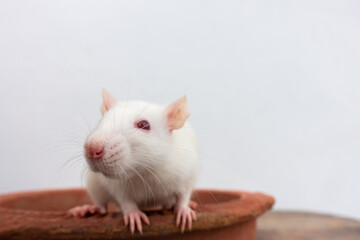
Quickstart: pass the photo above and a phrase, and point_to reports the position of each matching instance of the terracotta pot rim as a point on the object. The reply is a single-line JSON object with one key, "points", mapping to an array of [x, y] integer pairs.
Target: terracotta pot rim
{"points": [[235, 207], [20, 194]]}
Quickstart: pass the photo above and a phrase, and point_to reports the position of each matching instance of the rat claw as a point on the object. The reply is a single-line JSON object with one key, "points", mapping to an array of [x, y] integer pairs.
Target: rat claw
{"points": [[190, 218], [185, 216], [138, 224], [145, 218], [83, 211], [183, 224], [92, 210], [101, 210], [132, 225], [126, 220], [178, 218], [134, 219], [192, 205], [73, 211], [193, 215]]}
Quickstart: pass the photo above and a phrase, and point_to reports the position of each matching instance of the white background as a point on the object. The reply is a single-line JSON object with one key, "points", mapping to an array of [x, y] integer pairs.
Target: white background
{"points": [[273, 89]]}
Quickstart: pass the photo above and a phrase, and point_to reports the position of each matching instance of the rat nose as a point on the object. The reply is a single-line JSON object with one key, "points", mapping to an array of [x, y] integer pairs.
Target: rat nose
{"points": [[94, 150]]}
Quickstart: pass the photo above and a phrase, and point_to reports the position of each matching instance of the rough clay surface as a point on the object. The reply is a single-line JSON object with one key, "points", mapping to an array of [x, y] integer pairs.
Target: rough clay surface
{"points": [[42, 215]]}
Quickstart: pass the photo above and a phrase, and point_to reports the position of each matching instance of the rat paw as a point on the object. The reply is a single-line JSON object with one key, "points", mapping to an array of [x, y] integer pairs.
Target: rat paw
{"points": [[193, 205], [185, 215], [83, 211], [133, 218]]}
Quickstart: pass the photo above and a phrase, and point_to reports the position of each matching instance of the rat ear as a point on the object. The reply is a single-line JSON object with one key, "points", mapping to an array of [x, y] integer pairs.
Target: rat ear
{"points": [[177, 113], [108, 101]]}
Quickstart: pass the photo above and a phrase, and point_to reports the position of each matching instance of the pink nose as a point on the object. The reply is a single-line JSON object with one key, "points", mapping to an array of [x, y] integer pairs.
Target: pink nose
{"points": [[94, 150]]}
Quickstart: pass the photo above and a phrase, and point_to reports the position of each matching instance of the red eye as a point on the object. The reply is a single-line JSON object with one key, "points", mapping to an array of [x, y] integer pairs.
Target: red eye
{"points": [[143, 124]]}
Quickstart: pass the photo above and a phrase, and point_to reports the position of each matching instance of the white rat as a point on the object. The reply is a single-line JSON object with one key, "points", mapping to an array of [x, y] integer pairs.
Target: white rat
{"points": [[141, 155]]}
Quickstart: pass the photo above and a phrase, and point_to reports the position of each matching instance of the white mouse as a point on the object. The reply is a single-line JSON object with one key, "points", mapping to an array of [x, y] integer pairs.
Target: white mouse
{"points": [[141, 155]]}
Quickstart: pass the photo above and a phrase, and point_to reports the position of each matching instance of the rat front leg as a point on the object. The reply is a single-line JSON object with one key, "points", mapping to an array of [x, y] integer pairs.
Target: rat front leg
{"points": [[99, 196], [184, 212], [133, 216]]}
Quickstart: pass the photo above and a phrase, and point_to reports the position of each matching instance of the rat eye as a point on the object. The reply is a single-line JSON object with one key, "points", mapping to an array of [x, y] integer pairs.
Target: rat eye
{"points": [[143, 124]]}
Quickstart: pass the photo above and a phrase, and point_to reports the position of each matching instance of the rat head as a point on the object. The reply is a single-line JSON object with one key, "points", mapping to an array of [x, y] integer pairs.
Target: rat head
{"points": [[132, 136]]}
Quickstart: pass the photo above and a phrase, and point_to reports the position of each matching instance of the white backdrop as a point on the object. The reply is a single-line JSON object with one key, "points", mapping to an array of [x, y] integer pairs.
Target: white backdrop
{"points": [[273, 89]]}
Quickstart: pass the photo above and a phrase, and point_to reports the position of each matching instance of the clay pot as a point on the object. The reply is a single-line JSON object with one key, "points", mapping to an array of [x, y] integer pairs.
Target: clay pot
{"points": [[42, 215]]}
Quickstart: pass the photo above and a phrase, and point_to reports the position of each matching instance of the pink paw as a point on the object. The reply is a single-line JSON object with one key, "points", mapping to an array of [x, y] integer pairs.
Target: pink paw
{"points": [[133, 218], [185, 215], [82, 211]]}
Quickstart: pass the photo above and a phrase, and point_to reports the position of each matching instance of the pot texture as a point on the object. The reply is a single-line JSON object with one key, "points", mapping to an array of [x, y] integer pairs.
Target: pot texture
{"points": [[42, 215]]}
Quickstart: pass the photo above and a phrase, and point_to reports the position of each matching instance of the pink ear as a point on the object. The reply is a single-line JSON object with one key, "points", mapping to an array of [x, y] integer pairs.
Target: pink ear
{"points": [[177, 113], [108, 102]]}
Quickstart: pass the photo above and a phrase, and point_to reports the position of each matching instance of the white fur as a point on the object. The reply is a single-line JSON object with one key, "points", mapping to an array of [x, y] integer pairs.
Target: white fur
{"points": [[142, 168]]}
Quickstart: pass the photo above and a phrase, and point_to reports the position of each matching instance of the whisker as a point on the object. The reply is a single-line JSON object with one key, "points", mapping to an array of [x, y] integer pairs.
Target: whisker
{"points": [[84, 117], [65, 133], [129, 179], [76, 157], [84, 170], [160, 182], [144, 182], [197, 196]]}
